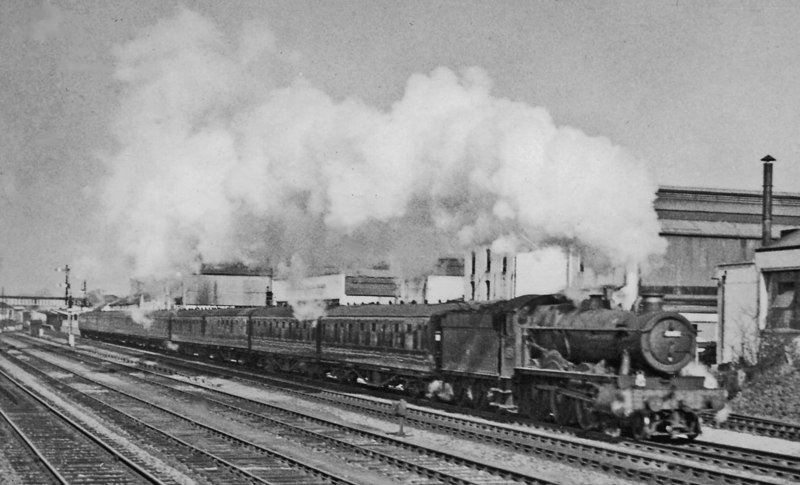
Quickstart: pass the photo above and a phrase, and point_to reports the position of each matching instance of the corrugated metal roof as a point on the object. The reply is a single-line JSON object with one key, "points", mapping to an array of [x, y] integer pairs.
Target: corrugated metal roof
{"points": [[715, 228]]}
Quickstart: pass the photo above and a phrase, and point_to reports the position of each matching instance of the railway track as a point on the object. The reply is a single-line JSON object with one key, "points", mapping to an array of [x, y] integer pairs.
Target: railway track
{"points": [[62, 451], [18, 461], [399, 460], [211, 455], [733, 457], [666, 464], [758, 426]]}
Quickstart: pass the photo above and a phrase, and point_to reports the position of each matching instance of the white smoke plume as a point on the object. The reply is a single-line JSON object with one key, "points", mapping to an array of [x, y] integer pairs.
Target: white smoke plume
{"points": [[141, 317], [625, 297], [216, 162], [302, 308]]}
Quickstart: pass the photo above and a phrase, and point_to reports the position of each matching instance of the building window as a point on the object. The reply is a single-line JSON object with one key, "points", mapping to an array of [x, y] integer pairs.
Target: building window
{"points": [[488, 290], [505, 264], [472, 293], [488, 260], [783, 288], [472, 268]]}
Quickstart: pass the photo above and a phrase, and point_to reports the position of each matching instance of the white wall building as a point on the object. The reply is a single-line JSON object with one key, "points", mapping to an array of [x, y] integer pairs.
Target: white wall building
{"points": [[379, 286], [226, 290], [758, 295], [433, 289], [337, 288], [490, 276]]}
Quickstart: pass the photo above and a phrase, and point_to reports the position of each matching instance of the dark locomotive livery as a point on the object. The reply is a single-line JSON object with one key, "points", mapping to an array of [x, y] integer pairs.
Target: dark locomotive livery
{"points": [[537, 355]]}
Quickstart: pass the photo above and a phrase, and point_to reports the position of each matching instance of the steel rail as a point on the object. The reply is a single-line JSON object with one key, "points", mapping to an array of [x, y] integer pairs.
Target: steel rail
{"points": [[473, 430], [392, 456], [562, 448], [772, 428], [330, 478], [76, 427], [51, 469]]}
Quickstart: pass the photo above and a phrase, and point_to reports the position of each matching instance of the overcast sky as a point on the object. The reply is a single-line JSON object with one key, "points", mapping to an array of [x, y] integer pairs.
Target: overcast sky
{"points": [[104, 103]]}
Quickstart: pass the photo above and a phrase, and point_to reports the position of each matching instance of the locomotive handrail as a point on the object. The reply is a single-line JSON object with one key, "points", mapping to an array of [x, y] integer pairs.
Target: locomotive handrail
{"points": [[563, 374]]}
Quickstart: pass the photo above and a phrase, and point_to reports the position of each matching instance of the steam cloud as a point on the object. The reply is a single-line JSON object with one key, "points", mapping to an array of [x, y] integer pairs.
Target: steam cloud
{"points": [[217, 162]]}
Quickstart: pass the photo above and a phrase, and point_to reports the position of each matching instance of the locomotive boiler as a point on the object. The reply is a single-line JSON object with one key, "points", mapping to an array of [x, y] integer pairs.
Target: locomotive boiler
{"points": [[654, 340]]}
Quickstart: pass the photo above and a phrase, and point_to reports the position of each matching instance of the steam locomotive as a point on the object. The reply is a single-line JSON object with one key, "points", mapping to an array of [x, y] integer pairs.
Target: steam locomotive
{"points": [[540, 356]]}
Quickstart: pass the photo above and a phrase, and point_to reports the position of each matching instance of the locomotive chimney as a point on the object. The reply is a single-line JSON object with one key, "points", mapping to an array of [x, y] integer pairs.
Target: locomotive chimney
{"points": [[652, 302], [766, 220]]}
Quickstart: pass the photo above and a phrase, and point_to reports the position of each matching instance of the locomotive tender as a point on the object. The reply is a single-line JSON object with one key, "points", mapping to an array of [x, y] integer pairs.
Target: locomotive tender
{"points": [[537, 355]]}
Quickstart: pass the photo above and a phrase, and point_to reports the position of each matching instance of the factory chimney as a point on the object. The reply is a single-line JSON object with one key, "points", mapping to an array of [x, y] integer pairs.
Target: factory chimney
{"points": [[766, 219]]}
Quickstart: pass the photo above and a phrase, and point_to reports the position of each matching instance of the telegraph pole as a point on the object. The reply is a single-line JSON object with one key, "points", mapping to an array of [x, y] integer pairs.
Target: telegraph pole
{"points": [[67, 286], [68, 300]]}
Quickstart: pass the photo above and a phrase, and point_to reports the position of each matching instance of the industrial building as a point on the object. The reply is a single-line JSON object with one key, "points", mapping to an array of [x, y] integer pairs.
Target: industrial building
{"points": [[705, 229], [444, 283], [227, 285]]}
